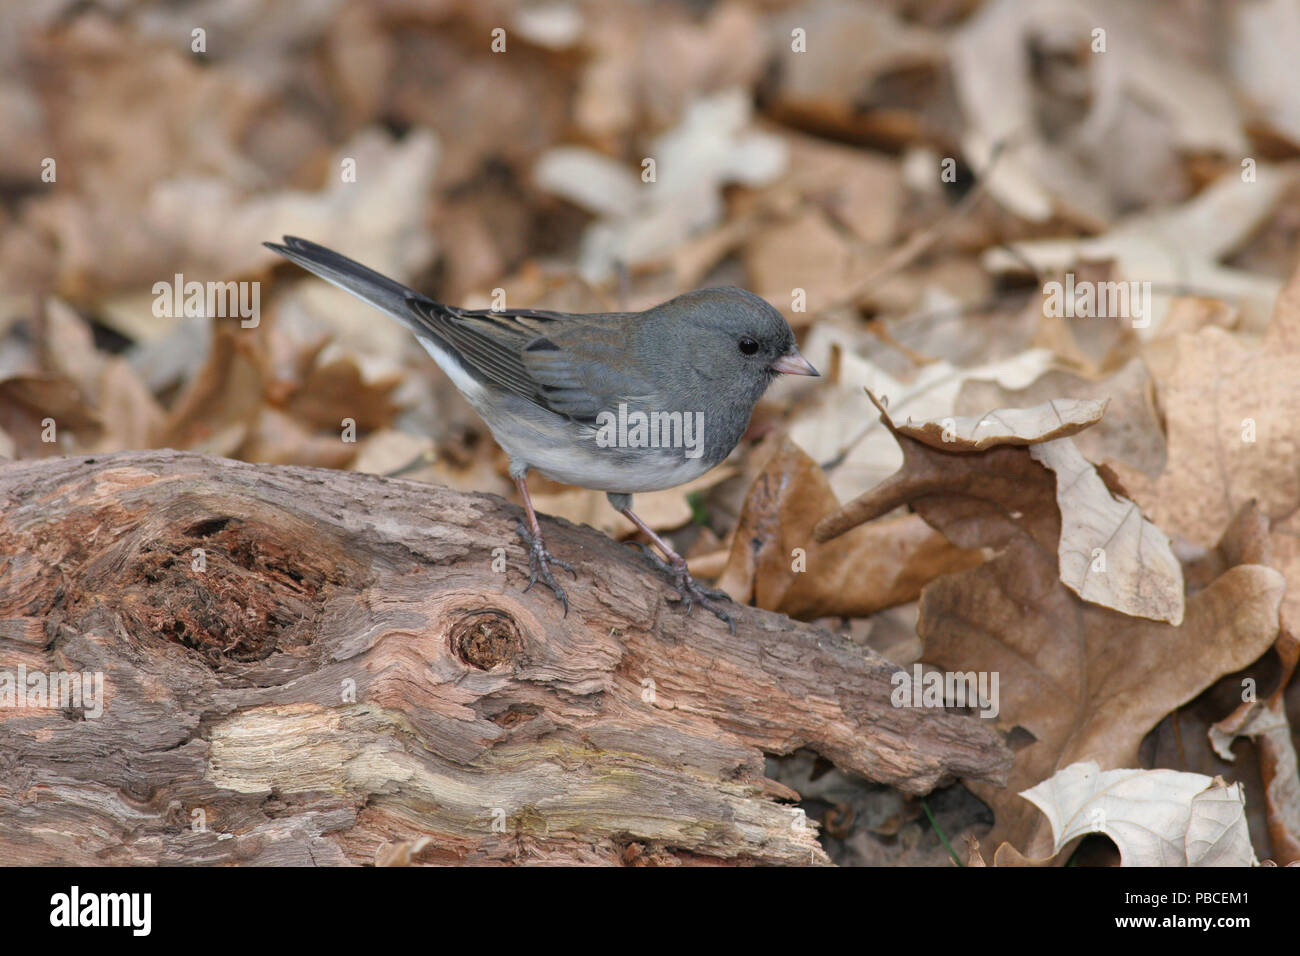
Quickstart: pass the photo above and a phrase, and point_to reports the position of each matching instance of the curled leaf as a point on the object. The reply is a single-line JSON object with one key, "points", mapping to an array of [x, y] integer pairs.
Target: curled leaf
{"points": [[1155, 817]]}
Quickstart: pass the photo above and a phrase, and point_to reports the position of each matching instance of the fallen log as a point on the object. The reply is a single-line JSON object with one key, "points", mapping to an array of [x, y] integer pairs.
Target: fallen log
{"points": [[304, 666]]}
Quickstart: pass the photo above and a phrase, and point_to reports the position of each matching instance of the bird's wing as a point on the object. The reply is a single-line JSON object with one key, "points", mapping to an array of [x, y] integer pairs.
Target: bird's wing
{"points": [[566, 364]]}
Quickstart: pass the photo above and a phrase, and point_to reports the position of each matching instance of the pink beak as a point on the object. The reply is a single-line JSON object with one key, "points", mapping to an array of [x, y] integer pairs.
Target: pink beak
{"points": [[792, 363]]}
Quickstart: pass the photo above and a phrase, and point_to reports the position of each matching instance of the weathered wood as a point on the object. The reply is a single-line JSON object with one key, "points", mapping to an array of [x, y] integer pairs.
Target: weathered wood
{"points": [[347, 679]]}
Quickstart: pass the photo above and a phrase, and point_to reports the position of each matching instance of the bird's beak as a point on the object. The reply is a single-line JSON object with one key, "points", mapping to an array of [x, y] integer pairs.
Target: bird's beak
{"points": [[792, 363]]}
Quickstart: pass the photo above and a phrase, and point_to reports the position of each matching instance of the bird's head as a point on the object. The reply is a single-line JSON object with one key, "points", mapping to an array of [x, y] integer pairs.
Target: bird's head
{"points": [[738, 336]]}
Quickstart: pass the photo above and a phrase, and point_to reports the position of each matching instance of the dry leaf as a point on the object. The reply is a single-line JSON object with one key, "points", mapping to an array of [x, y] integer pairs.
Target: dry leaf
{"points": [[1135, 90], [776, 561], [1131, 431], [1109, 554], [1266, 724], [1265, 721], [278, 439], [216, 412], [1262, 51], [807, 253], [839, 425], [1176, 250], [132, 416], [125, 406], [863, 192], [1085, 681], [30, 403], [1155, 817], [1232, 419], [1056, 418], [856, 45], [646, 63], [335, 390], [714, 145]]}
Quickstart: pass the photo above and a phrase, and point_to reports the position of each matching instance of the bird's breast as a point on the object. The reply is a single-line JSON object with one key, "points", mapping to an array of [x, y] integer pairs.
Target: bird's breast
{"points": [[626, 449]]}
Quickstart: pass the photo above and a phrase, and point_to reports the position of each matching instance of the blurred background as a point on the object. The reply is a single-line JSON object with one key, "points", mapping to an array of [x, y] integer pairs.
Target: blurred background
{"points": [[594, 155], [901, 178]]}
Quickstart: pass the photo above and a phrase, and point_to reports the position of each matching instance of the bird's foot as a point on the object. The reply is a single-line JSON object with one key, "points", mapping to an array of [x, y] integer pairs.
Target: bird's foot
{"points": [[691, 592], [539, 565]]}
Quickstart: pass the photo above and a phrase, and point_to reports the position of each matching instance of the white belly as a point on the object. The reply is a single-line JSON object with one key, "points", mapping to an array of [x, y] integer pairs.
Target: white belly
{"points": [[564, 450]]}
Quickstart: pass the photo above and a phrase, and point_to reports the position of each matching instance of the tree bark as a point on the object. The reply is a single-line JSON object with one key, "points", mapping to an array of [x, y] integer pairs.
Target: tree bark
{"points": [[312, 666]]}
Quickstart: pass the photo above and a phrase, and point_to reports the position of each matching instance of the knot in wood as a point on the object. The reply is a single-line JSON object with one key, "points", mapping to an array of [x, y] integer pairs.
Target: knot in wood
{"points": [[484, 639]]}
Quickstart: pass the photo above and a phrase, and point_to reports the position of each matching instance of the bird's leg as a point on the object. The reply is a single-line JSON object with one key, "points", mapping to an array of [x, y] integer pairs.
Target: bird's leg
{"points": [[539, 559], [684, 584]]}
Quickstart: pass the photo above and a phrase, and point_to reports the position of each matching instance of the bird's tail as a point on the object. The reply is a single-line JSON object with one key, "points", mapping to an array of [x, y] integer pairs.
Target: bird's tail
{"points": [[366, 284]]}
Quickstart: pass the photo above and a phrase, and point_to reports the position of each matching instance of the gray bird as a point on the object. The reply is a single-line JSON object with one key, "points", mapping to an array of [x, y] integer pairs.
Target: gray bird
{"points": [[620, 402]]}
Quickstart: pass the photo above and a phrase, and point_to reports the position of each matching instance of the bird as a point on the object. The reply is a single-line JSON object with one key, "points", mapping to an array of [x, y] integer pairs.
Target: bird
{"points": [[619, 402]]}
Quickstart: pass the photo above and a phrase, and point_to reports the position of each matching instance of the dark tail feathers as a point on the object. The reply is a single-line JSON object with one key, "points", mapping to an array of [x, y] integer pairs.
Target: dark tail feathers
{"points": [[366, 284]]}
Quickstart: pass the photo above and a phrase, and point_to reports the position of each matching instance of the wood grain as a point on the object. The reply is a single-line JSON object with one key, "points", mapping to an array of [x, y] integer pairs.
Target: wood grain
{"points": [[349, 680]]}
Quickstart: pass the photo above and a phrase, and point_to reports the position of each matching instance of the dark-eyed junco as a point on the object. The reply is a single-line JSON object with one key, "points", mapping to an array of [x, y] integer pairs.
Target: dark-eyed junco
{"points": [[620, 402]]}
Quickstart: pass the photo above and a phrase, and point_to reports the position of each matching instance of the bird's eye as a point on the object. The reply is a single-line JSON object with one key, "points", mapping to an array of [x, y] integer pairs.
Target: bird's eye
{"points": [[748, 346]]}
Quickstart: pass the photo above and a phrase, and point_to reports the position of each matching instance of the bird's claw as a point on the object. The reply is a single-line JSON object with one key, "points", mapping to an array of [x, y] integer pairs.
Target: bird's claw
{"points": [[690, 592], [539, 565]]}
